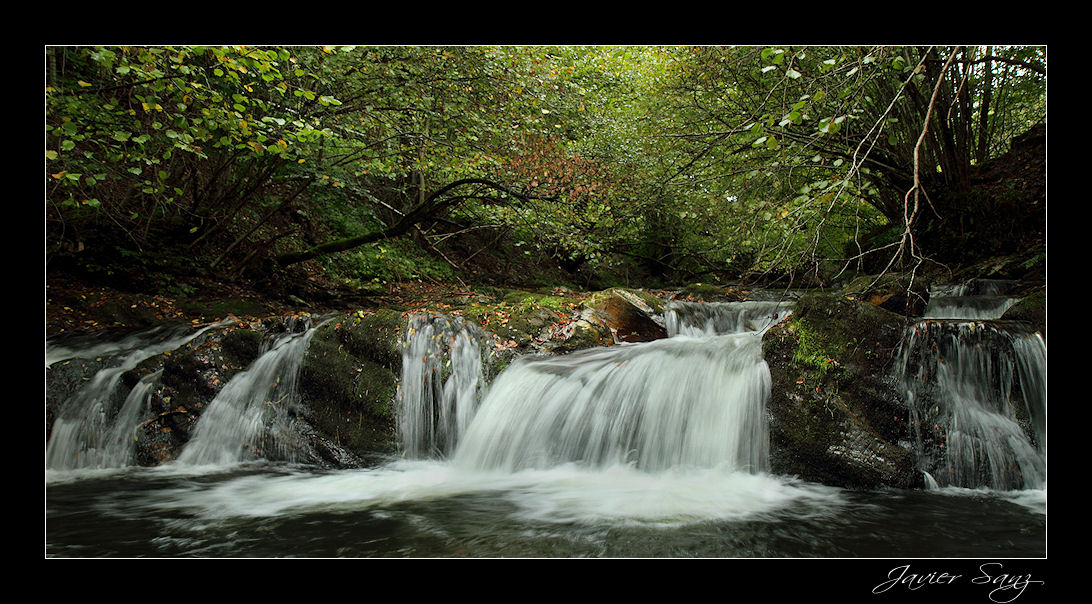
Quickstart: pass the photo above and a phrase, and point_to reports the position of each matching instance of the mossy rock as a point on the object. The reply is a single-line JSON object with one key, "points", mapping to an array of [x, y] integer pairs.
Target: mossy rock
{"points": [[708, 292], [1031, 310], [580, 334], [633, 315], [241, 347], [522, 317], [900, 293], [348, 399], [222, 307], [374, 336], [835, 416]]}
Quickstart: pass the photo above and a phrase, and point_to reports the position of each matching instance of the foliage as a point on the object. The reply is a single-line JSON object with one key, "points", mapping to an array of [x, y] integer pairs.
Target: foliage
{"points": [[821, 144], [673, 164]]}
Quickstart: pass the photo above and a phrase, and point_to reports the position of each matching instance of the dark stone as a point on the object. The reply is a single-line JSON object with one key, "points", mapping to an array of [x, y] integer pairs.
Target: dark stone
{"points": [[632, 316], [241, 347], [1030, 310], [348, 399], [901, 293], [835, 416]]}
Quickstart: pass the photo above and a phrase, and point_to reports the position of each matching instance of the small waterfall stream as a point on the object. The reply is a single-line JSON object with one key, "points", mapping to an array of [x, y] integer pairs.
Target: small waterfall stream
{"points": [[976, 391], [94, 428], [440, 386], [652, 449], [243, 421], [696, 399]]}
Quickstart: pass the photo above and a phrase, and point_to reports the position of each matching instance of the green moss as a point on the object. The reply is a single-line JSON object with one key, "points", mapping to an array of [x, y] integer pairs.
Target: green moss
{"points": [[702, 291], [349, 399], [222, 308], [813, 350], [1030, 309], [390, 260], [241, 346], [374, 336]]}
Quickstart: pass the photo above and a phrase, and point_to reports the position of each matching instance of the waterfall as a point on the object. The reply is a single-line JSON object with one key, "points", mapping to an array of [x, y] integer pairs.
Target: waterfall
{"points": [[441, 379], [707, 319], [974, 299], [243, 422], [976, 392], [968, 307], [696, 399], [683, 401], [94, 428]]}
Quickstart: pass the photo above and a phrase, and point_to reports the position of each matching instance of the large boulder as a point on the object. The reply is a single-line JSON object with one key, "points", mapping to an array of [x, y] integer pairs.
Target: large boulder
{"points": [[901, 293], [347, 387], [835, 416], [1030, 309], [631, 315]]}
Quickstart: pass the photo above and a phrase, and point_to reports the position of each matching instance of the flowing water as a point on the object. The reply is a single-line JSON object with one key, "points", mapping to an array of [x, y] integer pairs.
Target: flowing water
{"points": [[976, 390], [654, 449], [244, 419], [94, 428]]}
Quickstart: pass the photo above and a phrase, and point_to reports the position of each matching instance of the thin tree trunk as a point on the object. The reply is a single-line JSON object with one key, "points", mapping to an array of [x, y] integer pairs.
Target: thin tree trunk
{"points": [[982, 152], [288, 200]]}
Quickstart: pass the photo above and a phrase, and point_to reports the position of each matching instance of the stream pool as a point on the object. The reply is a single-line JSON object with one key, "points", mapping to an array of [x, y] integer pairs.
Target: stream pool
{"points": [[428, 509]]}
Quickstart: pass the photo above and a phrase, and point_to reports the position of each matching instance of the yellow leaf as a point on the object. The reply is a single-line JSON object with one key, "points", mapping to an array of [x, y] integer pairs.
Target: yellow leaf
{"points": [[60, 174], [82, 83]]}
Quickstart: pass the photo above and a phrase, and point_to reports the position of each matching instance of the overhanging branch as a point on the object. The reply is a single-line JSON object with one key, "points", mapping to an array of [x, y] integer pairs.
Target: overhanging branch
{"points": [[437, 201]]}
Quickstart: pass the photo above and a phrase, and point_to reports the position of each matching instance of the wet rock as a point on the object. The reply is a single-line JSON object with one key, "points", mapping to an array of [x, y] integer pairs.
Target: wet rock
{"points": [[585, 331], [835, 415], [345, 394], [631, 315], [1031, 310], [707, 292], [900, 293]]}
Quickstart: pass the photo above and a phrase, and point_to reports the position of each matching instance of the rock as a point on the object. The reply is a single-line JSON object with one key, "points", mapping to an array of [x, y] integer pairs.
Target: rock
{"points": [[631, 315], [899, 293], [707, 292], [1031, 310], [586, 331], [835, 416], [348, 397]]}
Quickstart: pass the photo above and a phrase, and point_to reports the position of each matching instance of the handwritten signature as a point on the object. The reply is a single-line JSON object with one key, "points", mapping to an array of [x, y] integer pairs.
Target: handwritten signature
{"points": [[1003, 587]]}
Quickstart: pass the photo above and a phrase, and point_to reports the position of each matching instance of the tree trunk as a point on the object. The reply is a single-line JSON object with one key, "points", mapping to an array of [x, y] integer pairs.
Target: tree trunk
{"points": [[424, 210]]}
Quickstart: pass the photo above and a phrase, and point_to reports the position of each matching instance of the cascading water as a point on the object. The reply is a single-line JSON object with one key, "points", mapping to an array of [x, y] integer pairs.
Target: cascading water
{"points": [[94, 428], [441, 379], [700, 319], [676, 402], [243, 421], [654, 449], [696, 399], [976, 391]]}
